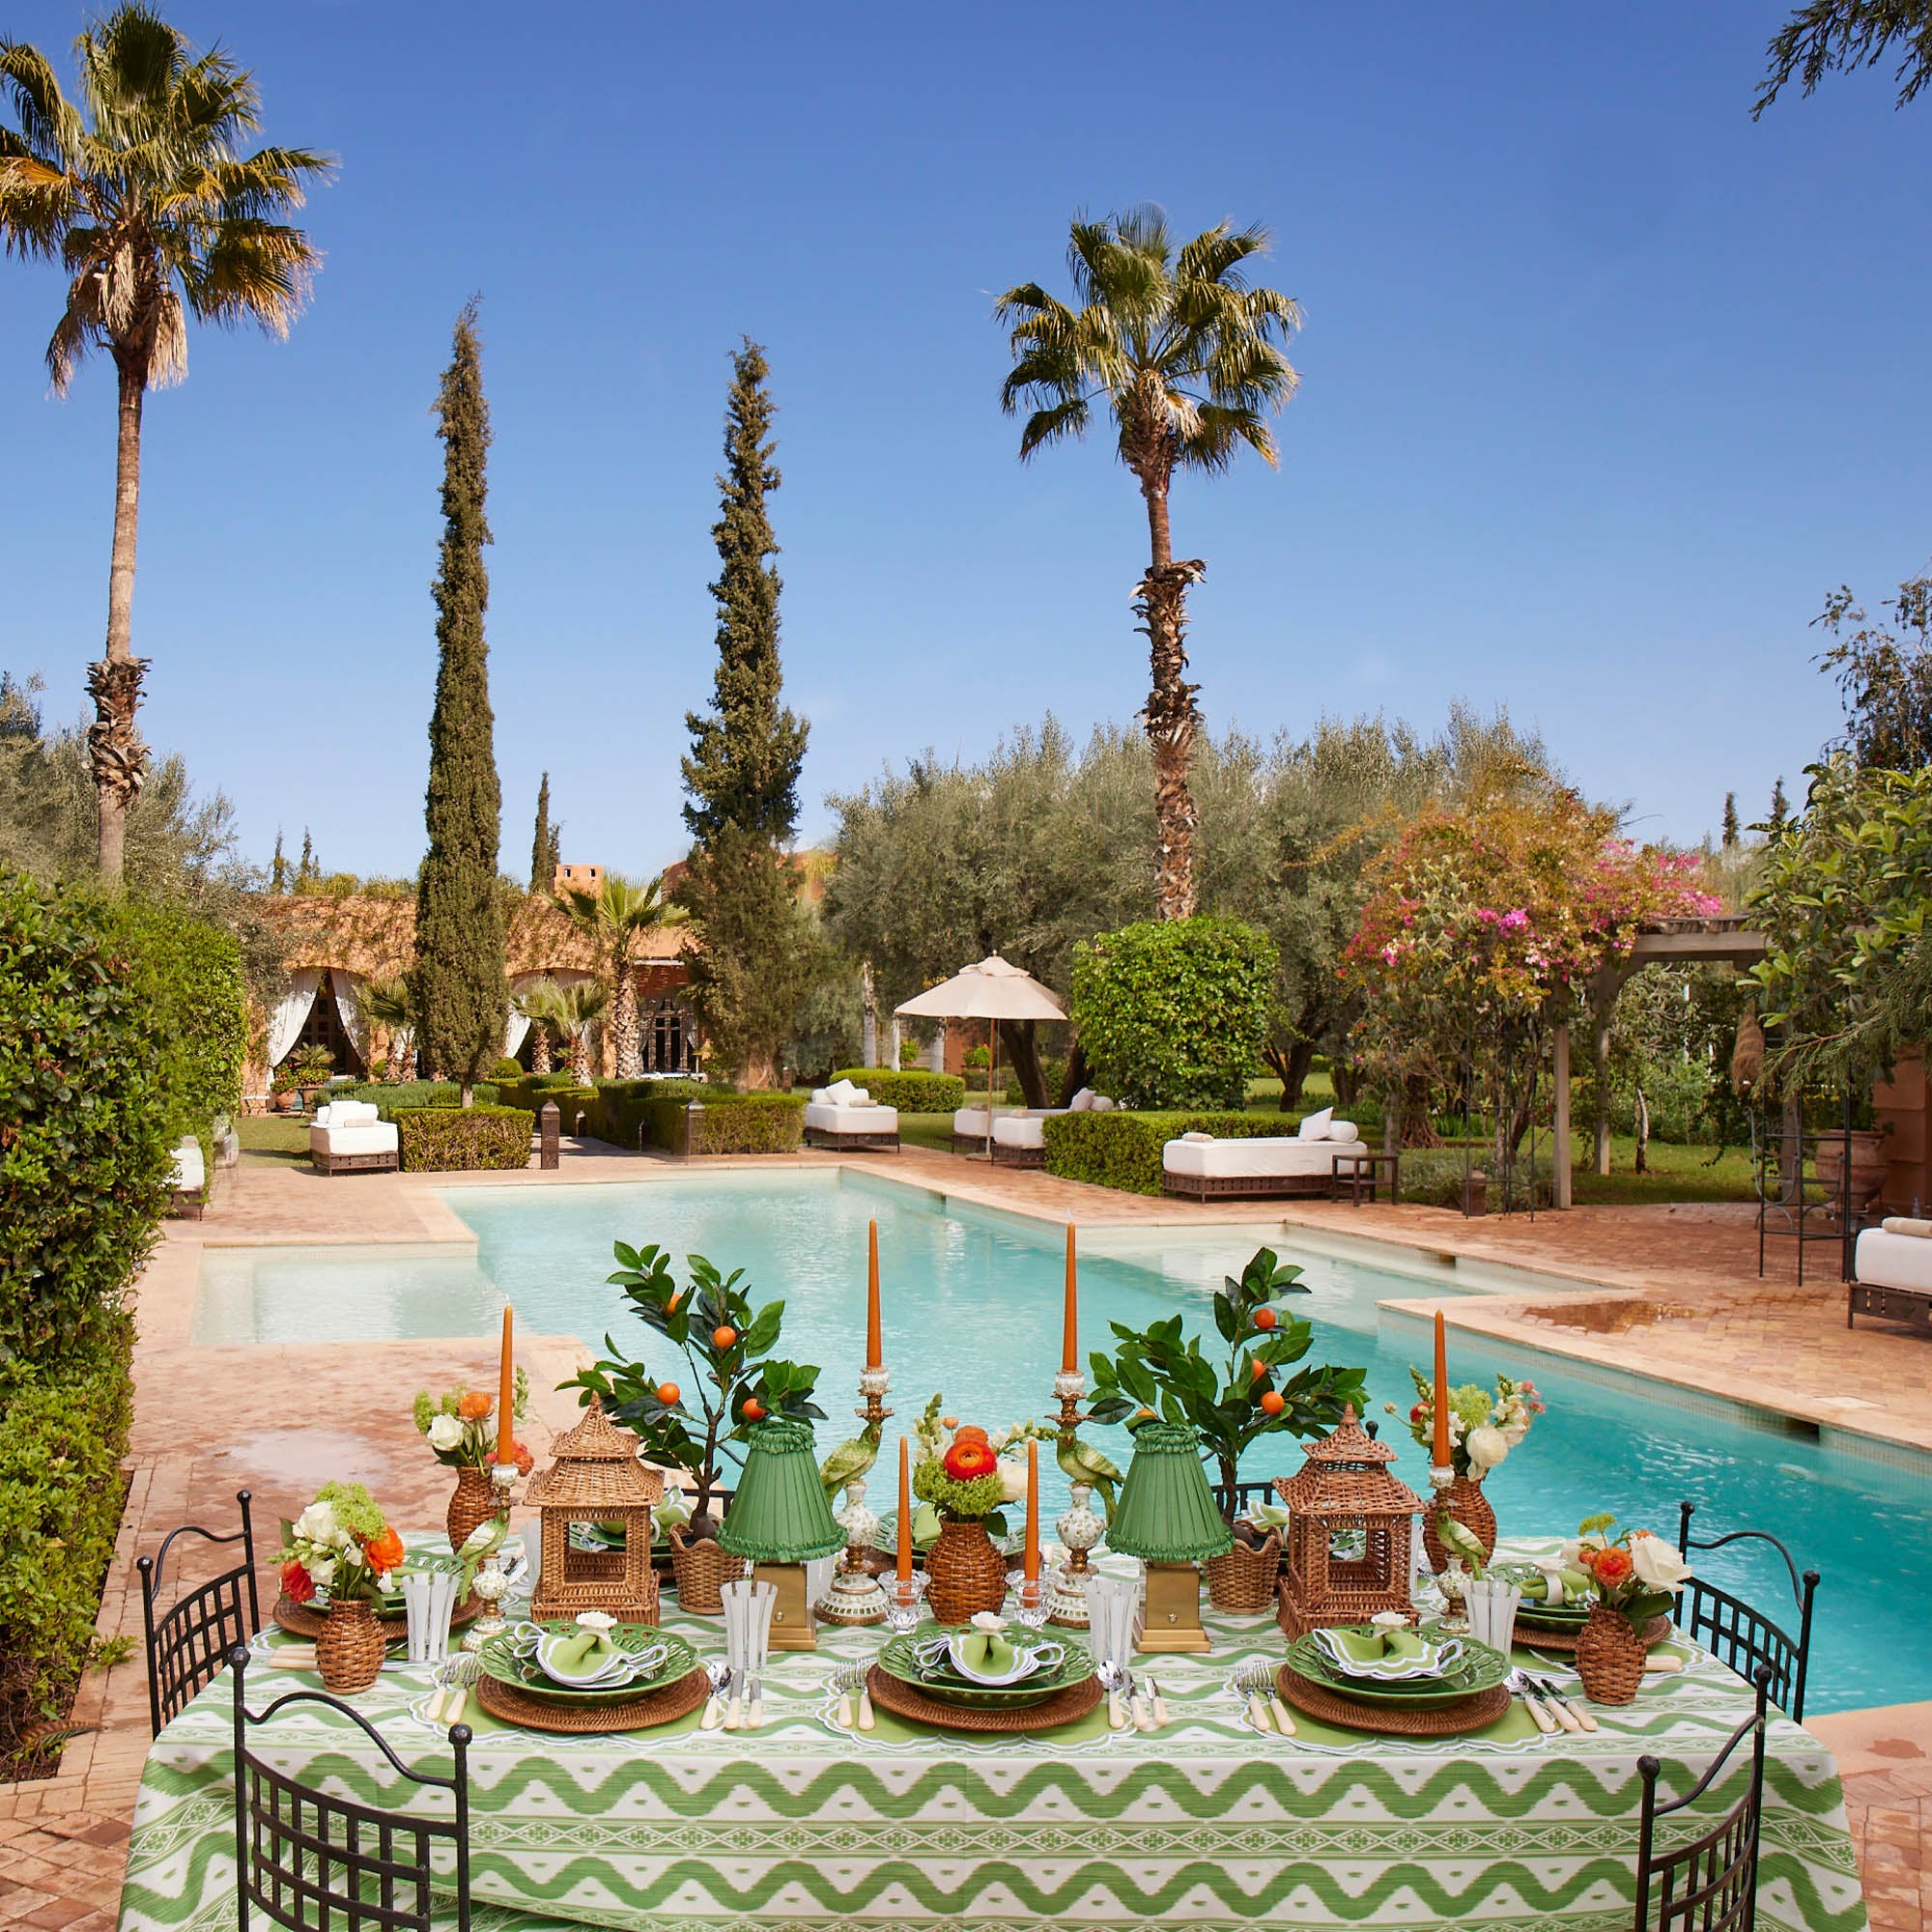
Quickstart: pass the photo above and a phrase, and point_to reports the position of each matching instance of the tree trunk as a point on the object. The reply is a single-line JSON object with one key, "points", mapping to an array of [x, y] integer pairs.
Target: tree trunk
{"points": [[580, 1057], [1346, 1080], [624, 1020], [868, 1017], [1290, 1066], [1642, 1163], [1172, 718], [1600, 1060], [1078, 1075], [539, 1048], [1021, 1040], [120, 759], [1418, 1130]]}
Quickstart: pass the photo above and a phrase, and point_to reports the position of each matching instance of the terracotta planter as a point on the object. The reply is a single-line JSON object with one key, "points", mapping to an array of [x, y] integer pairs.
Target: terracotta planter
{"points": [[1869, 1169], [1609, 1657], [1463, 1502], [474, 1503], [966, 1574], [348, 1652]]}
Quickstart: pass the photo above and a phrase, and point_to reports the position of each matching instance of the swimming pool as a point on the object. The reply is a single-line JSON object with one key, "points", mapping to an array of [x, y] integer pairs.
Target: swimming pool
{"points": [[972, 1305]]}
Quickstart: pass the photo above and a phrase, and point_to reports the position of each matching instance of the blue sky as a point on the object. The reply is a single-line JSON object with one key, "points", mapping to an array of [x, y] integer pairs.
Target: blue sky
{"points": [[1605, 387]]}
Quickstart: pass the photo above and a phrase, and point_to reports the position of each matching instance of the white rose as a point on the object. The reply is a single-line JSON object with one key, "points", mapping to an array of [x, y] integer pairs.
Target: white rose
{"points": [[352, 1554], [1012, 1480], [444, 1434], [1658, 1566], [320, 1571], [1513, 1434], [1487, 1447], [317, 1523]]}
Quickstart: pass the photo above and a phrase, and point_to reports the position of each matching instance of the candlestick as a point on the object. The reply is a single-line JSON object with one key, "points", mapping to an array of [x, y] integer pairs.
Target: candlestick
{"points": [[1441, 1449], [1033, 1512], [905, 1514], [874, 1347], [506, 1398], [1069, 1345]]}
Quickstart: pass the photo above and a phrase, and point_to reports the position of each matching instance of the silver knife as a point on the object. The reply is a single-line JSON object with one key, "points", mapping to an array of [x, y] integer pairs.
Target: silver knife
{"points": [[754, 1703], [1560, 1700]]}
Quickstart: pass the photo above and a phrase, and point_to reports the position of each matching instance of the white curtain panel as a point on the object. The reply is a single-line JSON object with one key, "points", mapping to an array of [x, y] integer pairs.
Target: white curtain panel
{"points": [[346, 985], [514, 1026], [286, 1021]]}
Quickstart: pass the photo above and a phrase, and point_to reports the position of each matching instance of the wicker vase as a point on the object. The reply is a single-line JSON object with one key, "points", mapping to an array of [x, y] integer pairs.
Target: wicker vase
{"points": [[1463, 1502], [1243, 1581], [966, 1575], [1609, 1655], [701, 1570], [474, 1503], [348, 1652]]}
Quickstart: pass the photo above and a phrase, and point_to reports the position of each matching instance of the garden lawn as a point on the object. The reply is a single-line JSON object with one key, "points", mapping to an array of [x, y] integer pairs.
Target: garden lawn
{"points": [[1676, 1173], [274, 1137]]}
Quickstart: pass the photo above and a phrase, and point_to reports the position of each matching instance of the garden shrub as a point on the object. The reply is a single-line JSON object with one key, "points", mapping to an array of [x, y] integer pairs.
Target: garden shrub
{"points": [[1173, 1013], [1432, 1177], [506, 1068], [443, 1138], [390, 1097], [620, 1110], [913, 1092], [1121, 1150], [729, 1123]]}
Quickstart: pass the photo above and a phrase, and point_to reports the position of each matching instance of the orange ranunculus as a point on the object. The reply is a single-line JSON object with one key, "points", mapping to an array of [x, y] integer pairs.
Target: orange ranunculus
{"points": [[970, 1432], [965, 1460], [386, 1551], [473, 1405], [1612, 1567], [297, 1585], [525, 1461]]}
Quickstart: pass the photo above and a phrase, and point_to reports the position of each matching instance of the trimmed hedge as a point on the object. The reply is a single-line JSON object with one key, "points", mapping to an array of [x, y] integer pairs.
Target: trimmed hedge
{"points": [[445, 1138], [912, 1093], [62, 1437], [1123, 1151], [729, 1122], [390, 1097]]}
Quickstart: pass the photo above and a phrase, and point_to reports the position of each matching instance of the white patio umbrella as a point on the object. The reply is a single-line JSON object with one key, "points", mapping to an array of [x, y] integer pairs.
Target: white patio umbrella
{"points": [[992, 991]]}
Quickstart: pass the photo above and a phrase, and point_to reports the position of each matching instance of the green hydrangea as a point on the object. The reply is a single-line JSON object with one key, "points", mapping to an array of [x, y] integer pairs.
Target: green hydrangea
{"points": [[354, 1509]]}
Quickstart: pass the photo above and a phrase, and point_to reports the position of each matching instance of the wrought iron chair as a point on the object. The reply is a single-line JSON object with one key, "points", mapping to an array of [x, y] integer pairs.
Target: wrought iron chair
{"points": [[302, 1855], [1709, 1884], [188, 1644], [1737, 1634], [1242, 1494]]}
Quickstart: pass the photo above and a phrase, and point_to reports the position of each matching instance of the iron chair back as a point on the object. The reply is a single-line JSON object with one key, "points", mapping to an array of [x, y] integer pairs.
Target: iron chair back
{"points": [[302, 1855], [1740, 1637], [1708, 1884], [188, 1643]]}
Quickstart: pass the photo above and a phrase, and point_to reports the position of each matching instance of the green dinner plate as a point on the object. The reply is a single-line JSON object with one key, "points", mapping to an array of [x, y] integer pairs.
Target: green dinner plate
{"points": [[500, 1661], [1552, 1616], [897, 1660], [1481, 1669]]}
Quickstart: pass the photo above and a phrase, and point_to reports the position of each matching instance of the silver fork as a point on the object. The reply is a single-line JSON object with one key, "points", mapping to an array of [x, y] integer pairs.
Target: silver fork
{"points": [[849, 1681], [1543, 1720], [714, 1708], [452, 1678], [1266, 1713], [1560, 1701]]}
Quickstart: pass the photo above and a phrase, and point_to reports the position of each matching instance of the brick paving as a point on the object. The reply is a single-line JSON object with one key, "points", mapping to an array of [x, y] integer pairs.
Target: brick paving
{"points": [[1670, 1293]]}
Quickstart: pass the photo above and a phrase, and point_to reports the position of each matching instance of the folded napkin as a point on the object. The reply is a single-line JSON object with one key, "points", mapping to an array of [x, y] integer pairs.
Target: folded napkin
{"points": [[984, 1651], [583, 1651], [1905, 1224]]}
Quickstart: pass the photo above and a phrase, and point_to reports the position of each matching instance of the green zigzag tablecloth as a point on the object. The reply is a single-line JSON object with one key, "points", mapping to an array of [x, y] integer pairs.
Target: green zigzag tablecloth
{"points": [[1205, 1823]]}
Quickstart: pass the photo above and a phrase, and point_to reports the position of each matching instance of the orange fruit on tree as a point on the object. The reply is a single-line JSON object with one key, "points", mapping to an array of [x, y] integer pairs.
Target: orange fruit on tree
{"points": [[1258, 1370], [1274, 1403], [753, 1409], [1143, 1415], [724, 1336], [1265, 1318], [670, 1306], [668, 1394]]}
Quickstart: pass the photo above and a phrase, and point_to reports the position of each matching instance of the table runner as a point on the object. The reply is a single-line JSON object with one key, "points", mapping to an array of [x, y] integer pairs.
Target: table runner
{"points": [[1204, 1824]]}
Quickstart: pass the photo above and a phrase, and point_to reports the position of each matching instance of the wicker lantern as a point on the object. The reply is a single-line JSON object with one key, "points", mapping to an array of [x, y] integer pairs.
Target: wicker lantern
{"points": [[779, 1519], [595, 1477], [1350, 1525], [1167, 1518]]}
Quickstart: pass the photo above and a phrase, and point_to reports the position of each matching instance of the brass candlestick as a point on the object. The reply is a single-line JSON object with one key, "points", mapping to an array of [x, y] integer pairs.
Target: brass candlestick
{"points": [[854, 1596], [1079, 1528]]}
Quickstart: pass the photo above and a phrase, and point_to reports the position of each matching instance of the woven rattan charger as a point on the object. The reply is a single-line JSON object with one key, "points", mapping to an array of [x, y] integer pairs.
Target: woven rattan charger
{"points": [[661, 1706], [903, 1700], [1446, 1719], [299, 1620], [1563, 1642]]}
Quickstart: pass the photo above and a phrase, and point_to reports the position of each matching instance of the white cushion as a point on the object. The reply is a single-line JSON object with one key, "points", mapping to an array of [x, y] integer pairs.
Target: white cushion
{"points": [[1278, 1154], [1102, 1105], [350, 1113], [1887, 1260], [1904, 1224], [829, 1118], [1081, 1101], [1197, 1136], [1020, 1130], [190, 1173], [1344, 1130], [973, 1120], [1315, 1126], [822, 1097], [839, 1093], [367, 1137]]}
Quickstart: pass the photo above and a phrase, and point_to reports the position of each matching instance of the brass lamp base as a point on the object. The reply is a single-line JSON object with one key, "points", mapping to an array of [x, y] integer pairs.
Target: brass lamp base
{"points": [[791, 1614], [1173, 1610]]}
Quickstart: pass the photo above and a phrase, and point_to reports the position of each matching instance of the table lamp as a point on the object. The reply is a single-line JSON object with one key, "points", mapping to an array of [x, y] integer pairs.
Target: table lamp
{"points": [[1167, 1518], [779, 1519]]}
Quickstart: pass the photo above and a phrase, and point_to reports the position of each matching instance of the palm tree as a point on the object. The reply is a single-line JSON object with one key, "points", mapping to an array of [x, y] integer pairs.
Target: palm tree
{"points": [[136, 191], [576, 1007], [537, 1002], [1189, 362], [386, 1004], [616, 916]]}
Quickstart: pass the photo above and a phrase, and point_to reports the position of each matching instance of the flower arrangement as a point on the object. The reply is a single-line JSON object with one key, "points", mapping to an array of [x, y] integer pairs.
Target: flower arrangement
{"points": [[1635, 1571], [341, 1543], [462, 1428], [1483, 1428], [965, 1476]]}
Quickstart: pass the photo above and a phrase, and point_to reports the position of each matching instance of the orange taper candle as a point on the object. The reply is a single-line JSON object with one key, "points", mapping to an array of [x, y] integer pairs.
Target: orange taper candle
{"points": [[905, 1511], [1069, 1341], [1441, 1449], [875, 1346], [1033, 1512], [506, 1399]]}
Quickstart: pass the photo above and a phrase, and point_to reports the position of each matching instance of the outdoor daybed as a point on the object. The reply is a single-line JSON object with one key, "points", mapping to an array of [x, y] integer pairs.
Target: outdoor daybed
{"points": [[1019, 1134], [1892, 1272], [845, 1116], [189, 1183], [348, 1137], [1205, 1168]]}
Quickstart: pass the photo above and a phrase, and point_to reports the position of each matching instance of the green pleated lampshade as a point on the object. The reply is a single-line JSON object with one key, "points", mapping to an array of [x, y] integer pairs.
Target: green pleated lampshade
{"points": [[1166, 1512], [780, 1513]]}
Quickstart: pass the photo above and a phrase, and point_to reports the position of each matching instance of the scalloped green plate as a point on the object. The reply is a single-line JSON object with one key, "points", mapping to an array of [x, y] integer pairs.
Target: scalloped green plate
{"points": [[499, 1660], [1481, 1669], [897, 1660]]}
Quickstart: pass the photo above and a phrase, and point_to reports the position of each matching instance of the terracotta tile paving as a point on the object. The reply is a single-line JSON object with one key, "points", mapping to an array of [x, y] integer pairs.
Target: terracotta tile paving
{"points": [[1670, 1293]]}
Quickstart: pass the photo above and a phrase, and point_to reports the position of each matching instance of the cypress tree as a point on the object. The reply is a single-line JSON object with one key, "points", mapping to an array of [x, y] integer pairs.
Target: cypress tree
{"points": [[308, 868], [458, 990], [278, 868], [1730, 820], [1781, 809], [547, 848]]}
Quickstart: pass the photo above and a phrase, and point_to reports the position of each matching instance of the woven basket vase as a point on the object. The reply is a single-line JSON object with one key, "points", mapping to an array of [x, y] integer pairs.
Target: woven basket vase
{"points": [[1463, 1502], [1609, 1657], [348, 1652], [966, 1575], [474, 1503], [1243, 1581], [702, 1570]]}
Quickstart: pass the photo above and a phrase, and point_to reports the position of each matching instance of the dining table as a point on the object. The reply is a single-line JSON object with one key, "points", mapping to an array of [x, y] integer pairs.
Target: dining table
{"points": [[1209, 1821]]}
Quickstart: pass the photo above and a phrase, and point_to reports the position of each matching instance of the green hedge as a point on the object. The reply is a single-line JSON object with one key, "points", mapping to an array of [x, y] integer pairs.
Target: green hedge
{"points": [[730, 1122], [444, 1138], [913, 1092], [1123, 1151], [191, 978], [62, 1437], [390, 1097]]}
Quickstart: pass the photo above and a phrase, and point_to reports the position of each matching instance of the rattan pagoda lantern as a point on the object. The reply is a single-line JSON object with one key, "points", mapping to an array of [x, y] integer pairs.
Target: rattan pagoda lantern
{"points": [[1349, 1528], [595, 1477]]}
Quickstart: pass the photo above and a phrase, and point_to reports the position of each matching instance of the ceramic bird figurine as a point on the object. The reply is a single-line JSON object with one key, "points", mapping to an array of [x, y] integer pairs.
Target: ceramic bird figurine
{"points": [[852, 1460], [1080, 1463]]}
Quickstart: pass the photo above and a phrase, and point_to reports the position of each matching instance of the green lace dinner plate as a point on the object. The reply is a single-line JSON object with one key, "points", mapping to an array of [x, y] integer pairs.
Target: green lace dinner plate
{"points": [[898, 1659], [499, 1660], [1546, 1616], [1481, 1669]]}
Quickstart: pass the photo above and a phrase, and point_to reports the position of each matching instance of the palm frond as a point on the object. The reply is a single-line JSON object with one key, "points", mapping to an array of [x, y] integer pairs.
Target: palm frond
{"points": [[253, 271], [49, 127], [1049, 425]]}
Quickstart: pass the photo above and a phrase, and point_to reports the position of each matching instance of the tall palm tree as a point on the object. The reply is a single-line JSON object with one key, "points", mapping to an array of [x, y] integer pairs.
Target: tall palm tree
{"points": [[573, 1010], [1189, 361], [136, 191], [384, 1004], [616, 916], [537, 1002]]}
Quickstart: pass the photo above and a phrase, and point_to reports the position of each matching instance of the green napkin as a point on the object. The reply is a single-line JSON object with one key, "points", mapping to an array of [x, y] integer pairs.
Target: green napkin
{"points": [[925, 1524], [582, 1651], [1404, 1644], [987, 1653]]}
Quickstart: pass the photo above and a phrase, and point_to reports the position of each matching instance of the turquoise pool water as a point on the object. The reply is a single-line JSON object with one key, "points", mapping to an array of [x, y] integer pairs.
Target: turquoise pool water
{"points": [[972, 1305]]}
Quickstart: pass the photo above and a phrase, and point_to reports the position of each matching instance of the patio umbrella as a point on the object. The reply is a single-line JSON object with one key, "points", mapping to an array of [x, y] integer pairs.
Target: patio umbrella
{"points": [[992, 991]]}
